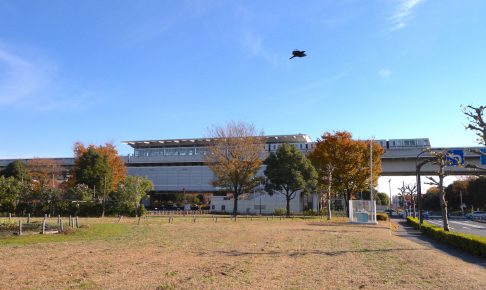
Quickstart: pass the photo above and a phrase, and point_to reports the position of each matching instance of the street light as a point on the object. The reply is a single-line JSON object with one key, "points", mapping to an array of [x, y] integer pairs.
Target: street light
{"points": [[389, 188]]}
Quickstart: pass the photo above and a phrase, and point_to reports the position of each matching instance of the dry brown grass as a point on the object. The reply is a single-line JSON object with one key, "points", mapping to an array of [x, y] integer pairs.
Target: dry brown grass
{"points": [[235, 255]]}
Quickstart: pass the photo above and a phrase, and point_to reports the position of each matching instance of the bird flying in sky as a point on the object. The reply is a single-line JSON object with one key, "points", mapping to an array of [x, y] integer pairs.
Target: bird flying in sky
{"points": [[298, 53]]}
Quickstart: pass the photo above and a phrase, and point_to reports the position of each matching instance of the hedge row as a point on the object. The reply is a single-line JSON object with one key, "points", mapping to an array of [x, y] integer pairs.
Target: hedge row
{"points": [[471, 243], [381, 216]]}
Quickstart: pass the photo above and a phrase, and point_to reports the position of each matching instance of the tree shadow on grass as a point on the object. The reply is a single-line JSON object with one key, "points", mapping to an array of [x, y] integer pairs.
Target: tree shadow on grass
{"points": [[348, 225], [325, 231], [235, 253]]}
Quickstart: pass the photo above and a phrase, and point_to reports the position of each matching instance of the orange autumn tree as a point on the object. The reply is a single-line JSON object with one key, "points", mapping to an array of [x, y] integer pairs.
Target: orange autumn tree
{"points": [[343, 163], [117, 164]]}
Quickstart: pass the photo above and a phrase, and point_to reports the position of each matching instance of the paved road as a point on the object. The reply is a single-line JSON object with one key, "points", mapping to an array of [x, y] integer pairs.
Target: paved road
{"points": [[462, 226]]}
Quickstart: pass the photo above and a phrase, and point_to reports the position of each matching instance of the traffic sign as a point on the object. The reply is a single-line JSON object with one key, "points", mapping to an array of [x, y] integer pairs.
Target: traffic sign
{"points": [[455, 157], [483, 156]]}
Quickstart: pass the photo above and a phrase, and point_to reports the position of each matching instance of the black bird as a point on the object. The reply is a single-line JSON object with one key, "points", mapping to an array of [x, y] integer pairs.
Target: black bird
{"points": [[298, 53]]}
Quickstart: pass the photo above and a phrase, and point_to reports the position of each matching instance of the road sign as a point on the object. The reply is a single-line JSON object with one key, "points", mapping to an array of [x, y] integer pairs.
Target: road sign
{"points": [[455, 157], [483, 157]]}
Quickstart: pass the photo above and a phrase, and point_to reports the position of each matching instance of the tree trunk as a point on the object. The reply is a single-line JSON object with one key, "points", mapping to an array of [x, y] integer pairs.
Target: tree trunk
{"points": [[443, 203], [288, 204], [235, 203], [103, 208], [235, 206]]}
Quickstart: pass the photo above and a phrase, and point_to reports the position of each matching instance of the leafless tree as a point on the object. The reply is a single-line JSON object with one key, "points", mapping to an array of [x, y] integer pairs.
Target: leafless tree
{"points": [[402, 192], [440, 159], [477, 123], [234, 156], [412, 191]]}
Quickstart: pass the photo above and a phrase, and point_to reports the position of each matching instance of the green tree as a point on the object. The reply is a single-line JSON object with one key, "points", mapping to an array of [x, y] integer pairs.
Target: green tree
{"points": [[477, 190], [10, 192], [18, 170], [287, 172], [131, 191], [80, 192], [431, 199], [94, 170], [381, 198]]}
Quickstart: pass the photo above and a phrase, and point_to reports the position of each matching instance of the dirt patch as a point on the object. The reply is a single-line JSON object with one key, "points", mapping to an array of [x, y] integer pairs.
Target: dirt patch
{"points": [[237, 255]]}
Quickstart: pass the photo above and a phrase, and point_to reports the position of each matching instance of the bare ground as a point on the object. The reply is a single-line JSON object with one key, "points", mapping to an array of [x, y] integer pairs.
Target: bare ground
{"points": [[246, 254]]}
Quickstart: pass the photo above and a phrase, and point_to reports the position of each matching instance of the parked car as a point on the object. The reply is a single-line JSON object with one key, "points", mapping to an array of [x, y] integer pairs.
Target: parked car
{"points": [[476, 215]]}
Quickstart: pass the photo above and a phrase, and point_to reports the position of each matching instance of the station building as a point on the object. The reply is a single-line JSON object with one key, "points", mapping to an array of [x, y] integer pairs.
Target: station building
{"points": [[176, 166]]}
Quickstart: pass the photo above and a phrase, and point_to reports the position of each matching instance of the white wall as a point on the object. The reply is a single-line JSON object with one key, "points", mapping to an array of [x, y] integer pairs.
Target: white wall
{"points": [[269, 204]]}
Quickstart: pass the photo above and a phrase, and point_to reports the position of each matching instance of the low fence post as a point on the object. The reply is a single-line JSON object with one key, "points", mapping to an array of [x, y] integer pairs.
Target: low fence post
{"points": [[70, 221], [77, 222], [139, 220], [61, 226], [28, 218], [9, 216], [58, 218], [44, 226], [20, 227]]}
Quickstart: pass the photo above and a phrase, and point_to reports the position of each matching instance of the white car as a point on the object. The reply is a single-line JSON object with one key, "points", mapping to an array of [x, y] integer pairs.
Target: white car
{"points": [[476, 215]]}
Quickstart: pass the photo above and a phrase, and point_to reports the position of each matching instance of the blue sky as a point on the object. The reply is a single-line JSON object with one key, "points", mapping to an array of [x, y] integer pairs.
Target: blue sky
{"points": [[101, 71]]}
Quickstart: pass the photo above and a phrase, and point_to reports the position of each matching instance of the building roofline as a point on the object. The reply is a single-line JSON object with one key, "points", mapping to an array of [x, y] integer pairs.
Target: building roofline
{"points": [[202, 141]]}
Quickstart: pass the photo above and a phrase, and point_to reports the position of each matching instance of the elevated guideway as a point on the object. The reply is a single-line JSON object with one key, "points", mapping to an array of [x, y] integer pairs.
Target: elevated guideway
{"points": [[402, 162], [395, 162]]}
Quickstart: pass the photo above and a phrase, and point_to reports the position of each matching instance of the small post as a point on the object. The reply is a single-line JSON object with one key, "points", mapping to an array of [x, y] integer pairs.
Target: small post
{"points": [[194, 218], [216, 220], [139, 220], [44, 226], [28, 218], [77, 222], [61, 226], [9, 216], [58, 218], [45, 216], [70, 221], [235, 218], [20, 227]]}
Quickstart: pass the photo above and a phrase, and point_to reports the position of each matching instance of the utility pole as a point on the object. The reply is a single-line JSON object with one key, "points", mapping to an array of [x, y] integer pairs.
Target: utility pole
{"points": [[329, 192], [371, 169], [389, 188]]}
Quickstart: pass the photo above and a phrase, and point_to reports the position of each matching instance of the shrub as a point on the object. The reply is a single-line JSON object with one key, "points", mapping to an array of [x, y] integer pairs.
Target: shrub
{"points": [[279, 211], [309, 212], [381, 216], [471, 243]]}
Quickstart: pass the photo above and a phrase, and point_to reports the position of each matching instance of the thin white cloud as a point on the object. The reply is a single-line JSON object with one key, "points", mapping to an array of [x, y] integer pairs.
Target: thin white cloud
{"points": [[34, 84], [403, 14], [384, 72], [254, 43], [21, 78]]}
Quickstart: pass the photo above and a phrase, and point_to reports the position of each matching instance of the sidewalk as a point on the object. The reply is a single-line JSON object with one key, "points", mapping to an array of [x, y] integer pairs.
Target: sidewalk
{"points": [[408, 232]]}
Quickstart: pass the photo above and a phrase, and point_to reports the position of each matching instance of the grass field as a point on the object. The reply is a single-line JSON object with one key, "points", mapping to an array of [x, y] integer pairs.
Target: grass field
{"points": [[246, 254]]}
